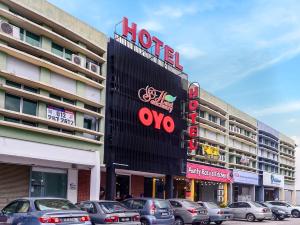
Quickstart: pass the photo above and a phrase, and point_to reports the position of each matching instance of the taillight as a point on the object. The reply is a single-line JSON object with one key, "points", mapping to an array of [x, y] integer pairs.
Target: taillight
{"points": [[265, 210], [193, 211], [111, 219], [136, 218], [152, 209], [49, 220], [84, 219], [221, 212]]}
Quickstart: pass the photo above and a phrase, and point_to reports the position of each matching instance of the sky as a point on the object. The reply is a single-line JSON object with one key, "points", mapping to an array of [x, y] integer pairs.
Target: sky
{"points": [[244, 52]]}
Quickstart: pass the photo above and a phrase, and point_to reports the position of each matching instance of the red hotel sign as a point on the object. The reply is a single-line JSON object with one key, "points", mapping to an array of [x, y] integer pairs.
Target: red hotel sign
{"points": [[201, 172], [193, 129], [146, 41]]}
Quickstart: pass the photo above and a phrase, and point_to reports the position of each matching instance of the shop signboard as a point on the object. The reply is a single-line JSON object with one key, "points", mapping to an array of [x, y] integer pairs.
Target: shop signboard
{"points": [[211, 152], [202, 172], [60, 115], [273, 180], [244, 177]]}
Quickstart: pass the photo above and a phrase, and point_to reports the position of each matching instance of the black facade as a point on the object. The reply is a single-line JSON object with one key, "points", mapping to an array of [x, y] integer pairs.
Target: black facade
{"points": [[128, 143]]}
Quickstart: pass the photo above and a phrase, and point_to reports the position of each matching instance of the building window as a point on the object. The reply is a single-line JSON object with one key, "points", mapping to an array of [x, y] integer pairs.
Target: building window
{"points": [[21, 86], [61, 51], [66, 100], [202, 114], [17, 104], [90, 123], [222, 123], [30, 38], [13, 120], [212, 118], [92, 108]]}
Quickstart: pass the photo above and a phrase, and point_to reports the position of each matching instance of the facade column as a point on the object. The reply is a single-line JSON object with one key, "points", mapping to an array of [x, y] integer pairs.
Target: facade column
{"points": [[294, 200], [169, 186], [253, 193], [95, 179], [225, 194], [281, 194], [72, 185], [229, 193], [153, 187], [110, 182]]}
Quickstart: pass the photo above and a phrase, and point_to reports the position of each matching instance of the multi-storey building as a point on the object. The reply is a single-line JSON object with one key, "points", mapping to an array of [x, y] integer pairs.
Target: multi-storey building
{"points": [[52, 80], [287, 166]]}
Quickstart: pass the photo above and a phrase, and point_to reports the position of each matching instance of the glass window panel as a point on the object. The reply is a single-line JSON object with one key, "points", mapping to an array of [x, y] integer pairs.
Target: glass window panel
{"points": [[29, 123], [29, 107], [33, 90], [32, 39], [87, 124], [57, 49], [68, 54], [69, 101], [13, 84], [13, 120], [12, 102], [55, 97]]}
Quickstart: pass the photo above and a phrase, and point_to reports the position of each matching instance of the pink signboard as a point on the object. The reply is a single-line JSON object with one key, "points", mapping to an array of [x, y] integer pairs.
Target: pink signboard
{"points": [[201, 172]]}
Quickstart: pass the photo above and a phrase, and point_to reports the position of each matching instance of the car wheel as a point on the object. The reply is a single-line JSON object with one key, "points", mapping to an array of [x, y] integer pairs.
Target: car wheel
{"points": [[218, 222], [250, 217], [295, 213], [274, 217], [144, 222], [179, 221], [281, 218]]}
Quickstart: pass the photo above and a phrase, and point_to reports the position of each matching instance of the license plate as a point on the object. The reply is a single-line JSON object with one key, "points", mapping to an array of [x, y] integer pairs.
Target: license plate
{"points": [[164, 214], [124, 219], [70, 219]]}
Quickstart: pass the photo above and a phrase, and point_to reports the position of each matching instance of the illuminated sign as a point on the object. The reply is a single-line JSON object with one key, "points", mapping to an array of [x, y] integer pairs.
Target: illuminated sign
{"points": [[193, 129], [145, 40], [158, 98]]}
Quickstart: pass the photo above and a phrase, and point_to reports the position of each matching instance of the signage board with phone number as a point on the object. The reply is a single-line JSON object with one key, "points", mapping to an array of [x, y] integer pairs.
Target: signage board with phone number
{"points": [[60, 115]]}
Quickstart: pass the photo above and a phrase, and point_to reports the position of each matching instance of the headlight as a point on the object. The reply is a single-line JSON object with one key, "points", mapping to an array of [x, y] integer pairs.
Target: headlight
{"points": [[280, 211]]}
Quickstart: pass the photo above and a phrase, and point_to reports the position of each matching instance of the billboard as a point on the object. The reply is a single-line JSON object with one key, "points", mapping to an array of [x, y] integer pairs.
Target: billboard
{"points": [[244, 177], [144, 120], [273, 180]]}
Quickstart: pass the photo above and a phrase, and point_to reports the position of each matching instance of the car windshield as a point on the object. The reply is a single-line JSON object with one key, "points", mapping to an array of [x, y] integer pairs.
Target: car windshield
{"points": [[54, 204], [257, 204], [211, 205], [161, 204], [110, 207], [262, 204], [191, 204]]}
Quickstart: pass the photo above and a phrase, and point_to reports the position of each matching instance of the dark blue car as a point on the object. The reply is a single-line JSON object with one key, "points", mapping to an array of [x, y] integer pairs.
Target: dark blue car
{"points": [[39, 211]]}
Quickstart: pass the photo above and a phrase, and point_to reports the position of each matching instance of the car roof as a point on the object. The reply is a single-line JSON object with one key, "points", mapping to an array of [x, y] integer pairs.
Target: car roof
{"points": [[39, 198]]}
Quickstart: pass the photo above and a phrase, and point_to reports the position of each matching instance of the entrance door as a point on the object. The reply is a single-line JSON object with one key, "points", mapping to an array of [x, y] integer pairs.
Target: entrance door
{"points": [[122, 187], [269, 195], [49, 184]]}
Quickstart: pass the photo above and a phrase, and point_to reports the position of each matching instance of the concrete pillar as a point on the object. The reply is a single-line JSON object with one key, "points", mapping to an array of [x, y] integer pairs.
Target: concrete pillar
{"points": [[169, 186], [253, 193], [72, 185], [110, 182], [294, 199], [95, 179], [230, 193], [281, 194]]}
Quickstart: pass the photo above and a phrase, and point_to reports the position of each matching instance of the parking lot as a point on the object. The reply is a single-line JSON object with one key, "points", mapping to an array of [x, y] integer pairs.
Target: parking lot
{"points": [[290, 221]]}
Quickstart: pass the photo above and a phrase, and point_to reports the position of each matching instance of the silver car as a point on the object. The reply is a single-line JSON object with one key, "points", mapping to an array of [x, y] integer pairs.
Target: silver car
{"points": [[112, 212], [250, 211], [188, 212], [216, 214], [281, 205]]}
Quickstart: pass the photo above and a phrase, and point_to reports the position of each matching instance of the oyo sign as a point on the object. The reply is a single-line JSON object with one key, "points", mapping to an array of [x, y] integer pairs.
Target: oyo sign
{"points": [[150, 117], [146, 41], [193, 129]]}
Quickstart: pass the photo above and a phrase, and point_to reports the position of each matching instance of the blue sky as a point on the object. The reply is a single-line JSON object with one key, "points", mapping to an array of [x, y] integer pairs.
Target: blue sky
{"points": [[245, 52]]}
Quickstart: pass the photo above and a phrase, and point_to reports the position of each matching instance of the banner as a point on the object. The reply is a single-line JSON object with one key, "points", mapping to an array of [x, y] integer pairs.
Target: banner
{"points": [[273, 180], [201, 172], [60, 115], [245, 177]]}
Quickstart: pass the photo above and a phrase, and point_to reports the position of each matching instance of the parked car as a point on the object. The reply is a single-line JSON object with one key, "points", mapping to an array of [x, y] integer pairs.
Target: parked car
{"points": [[250, 211], [152, 210], [102, 212], [188, 212], [293, 210], [277, 213], [215, 213], [40, 211]]}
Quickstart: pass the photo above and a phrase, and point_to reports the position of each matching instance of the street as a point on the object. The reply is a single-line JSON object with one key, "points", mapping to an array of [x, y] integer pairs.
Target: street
{"points": [[289, 221]]}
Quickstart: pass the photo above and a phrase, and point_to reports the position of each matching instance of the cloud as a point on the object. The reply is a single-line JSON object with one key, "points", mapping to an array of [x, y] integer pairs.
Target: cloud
{"points": [[189, 51], [278, 109], [151, 25], [175, 11], [292, 120]]}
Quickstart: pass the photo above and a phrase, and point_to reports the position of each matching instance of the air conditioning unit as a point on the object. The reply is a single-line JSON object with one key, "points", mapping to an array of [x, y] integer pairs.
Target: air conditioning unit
{"points": [[93, 67], [78, 60], [9, 29]]}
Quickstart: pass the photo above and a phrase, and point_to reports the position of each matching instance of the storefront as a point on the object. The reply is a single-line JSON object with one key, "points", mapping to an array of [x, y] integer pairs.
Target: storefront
{"points": [[289, 193], [144, 120], [243, 187], [208, 183], [273, 187]]}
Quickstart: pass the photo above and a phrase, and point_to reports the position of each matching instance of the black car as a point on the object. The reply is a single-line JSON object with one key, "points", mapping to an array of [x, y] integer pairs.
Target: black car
{"points": [[277, 213]]}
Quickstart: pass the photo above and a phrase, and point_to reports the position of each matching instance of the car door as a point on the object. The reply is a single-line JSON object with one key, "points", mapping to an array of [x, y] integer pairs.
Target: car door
{"points": [[178, 209], [139, 205], [243, 209], [91, 209], [8, 213], [233, 208]]}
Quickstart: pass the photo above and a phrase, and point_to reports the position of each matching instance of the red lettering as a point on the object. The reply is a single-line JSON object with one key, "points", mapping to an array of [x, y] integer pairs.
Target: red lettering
{"points": [[169, 55], [143, 34], [193, 117], [158, 45], [193, 105], [193, 91], [177, 65], [168, 124], [193, 144], [127, 29], [158, 117], [193, 131], [145, 116]]}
